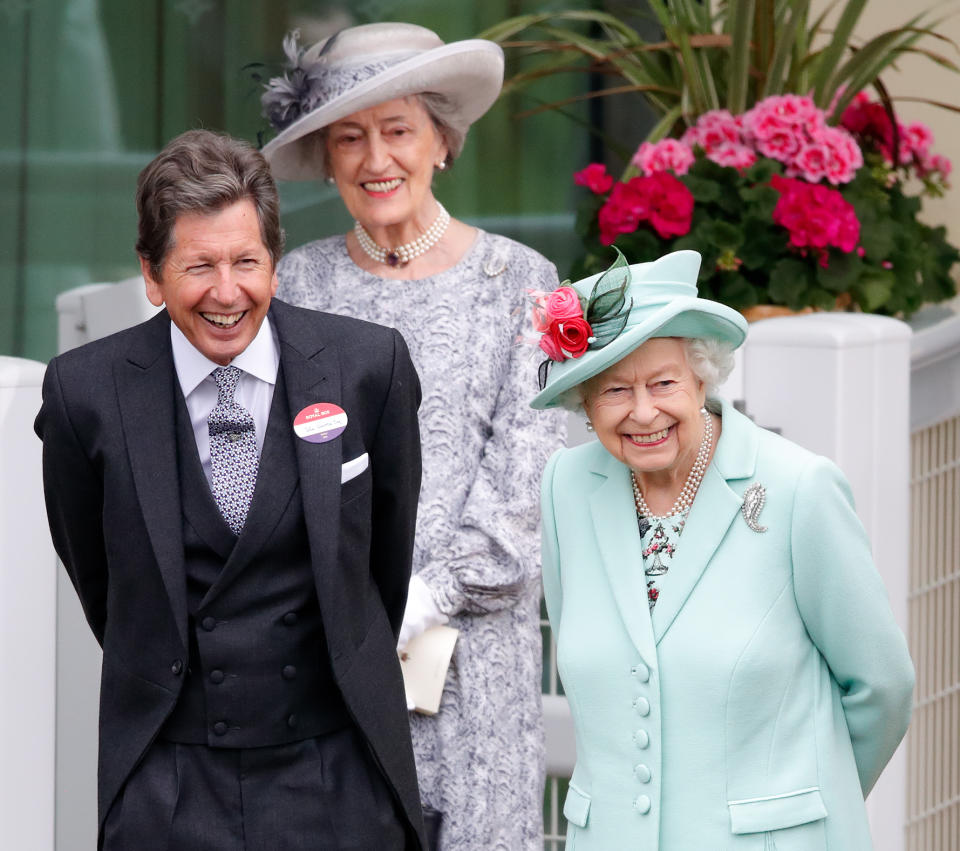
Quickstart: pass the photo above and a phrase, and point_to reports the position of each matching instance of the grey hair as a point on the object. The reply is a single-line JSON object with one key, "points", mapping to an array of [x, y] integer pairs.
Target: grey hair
{"points": [[439, 107], [202, 172], [710, 360]]}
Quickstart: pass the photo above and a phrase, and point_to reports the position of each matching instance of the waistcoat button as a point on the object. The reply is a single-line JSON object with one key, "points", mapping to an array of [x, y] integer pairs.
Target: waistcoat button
{"points": [[292, 721], [220, 728], [642, 804], [642, 705], [290, 618], [641, 672], [216, 676], [209, 623], [642, 772], [642, 738], [176, 667], [289, 672]]}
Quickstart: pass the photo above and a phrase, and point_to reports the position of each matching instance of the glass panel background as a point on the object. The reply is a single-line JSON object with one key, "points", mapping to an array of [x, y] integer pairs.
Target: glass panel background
{"points": [[93, 88]]}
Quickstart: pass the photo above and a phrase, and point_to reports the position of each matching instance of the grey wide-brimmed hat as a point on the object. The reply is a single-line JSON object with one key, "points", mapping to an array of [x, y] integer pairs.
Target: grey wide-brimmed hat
{"points": [[368, 65], [659, 299]]}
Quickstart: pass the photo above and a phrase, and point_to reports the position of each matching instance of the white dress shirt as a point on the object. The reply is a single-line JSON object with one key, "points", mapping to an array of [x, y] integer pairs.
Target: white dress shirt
{"points": [[258, 363]]}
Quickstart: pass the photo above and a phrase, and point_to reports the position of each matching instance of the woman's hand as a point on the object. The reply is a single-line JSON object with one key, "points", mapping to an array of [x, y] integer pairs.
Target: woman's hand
{"points": [[420, 614]]}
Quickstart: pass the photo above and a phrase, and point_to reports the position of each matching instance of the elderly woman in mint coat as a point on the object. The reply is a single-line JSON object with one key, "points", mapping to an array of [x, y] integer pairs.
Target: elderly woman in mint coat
{"points": [[737, 686]]}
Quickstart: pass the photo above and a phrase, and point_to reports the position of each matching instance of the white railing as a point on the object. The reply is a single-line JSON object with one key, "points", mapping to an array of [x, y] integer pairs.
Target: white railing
{"points": [[28, 605]]}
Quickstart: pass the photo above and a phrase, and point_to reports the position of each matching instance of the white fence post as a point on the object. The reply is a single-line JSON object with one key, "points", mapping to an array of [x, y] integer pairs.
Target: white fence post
{"points": [[839, 384], [28, 605]]}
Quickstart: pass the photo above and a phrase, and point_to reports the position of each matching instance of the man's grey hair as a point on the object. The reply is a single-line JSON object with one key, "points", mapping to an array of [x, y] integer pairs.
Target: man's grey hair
{"points": [[202, 172]]}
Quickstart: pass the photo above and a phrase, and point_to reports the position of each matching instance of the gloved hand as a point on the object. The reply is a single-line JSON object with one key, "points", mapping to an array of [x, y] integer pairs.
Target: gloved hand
{"points": [[420, 614]]}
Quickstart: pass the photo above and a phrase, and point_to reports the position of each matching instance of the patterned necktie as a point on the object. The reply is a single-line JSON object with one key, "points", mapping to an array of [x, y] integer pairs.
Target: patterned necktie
{"points": [[233, 451]]}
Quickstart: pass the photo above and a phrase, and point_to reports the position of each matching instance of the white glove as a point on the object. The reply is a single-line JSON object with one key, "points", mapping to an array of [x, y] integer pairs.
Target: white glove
{"points": [[420, 614]]}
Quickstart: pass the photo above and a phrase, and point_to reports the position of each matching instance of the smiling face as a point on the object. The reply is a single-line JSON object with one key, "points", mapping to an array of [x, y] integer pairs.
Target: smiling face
{"points": [[217, 280], [645, 409], [382, 160]]}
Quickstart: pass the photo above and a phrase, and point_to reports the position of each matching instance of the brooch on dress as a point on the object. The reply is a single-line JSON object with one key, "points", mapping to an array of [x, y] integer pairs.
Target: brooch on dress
{"points": [[753, 500]]}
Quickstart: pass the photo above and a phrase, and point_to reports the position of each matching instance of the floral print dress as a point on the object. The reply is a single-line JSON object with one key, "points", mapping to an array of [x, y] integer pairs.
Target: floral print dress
{"points": [[659, 539]]}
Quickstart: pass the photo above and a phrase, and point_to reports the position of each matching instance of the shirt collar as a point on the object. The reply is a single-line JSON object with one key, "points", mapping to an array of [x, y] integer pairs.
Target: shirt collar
{"points": [[261, 358]]}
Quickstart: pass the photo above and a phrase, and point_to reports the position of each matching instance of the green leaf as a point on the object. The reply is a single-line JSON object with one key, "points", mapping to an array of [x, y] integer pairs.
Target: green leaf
{"points": [[703, 190], [740, 23], [789, 279], [607, 295], [841, 273], [722, 235], [765, 245], [736, 291], [830, 57], [874, 288]]}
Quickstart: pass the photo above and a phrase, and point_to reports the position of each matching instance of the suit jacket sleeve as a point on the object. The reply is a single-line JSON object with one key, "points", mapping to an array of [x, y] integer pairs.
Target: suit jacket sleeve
{"points": [[846, 612], [395, 465], [73, 489]]}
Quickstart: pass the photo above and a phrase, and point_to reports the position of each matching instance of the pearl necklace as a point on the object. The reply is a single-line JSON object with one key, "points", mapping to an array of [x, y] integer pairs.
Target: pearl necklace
{"points": [[685, 500], [403, 254]]}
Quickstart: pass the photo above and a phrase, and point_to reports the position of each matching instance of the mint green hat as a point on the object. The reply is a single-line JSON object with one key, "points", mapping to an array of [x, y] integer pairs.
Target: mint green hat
{"points": [[659, 300]]}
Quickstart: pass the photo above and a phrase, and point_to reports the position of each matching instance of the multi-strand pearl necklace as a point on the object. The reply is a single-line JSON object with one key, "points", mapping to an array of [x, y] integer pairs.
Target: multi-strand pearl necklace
{"points": [[685, 500], [403, 254]]}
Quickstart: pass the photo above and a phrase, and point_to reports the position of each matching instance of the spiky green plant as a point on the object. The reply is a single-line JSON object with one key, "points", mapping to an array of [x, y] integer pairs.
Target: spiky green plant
{"points": [[718, 55]]}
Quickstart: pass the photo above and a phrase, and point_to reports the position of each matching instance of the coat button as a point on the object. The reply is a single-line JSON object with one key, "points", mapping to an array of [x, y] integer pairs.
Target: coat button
{"points": [[641, 672], [642, 772], [642, 805], [176, 667], [292, 721], [216, 676], [641, 738], [642, 705], [209, 623], [290, 618], [220, 728], [289, 672]]}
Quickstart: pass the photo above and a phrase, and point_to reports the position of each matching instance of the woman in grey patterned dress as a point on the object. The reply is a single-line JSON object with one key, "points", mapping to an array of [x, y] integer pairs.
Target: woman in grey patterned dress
{"points": [[376, 110]]}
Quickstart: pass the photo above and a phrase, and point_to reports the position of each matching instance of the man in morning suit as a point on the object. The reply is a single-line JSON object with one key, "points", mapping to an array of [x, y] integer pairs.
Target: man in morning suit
{"points": [[232, 487]]}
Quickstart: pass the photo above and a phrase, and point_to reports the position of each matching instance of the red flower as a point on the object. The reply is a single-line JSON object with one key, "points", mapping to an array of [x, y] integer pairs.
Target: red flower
{"points": [[595, 178], [652, 594], [816, 216], [660, 199], [573, 335], [671, 206]]}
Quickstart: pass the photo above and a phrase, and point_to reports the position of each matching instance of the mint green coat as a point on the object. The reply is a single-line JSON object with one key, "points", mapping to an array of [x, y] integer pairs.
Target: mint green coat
{"points": [[759, 703]]}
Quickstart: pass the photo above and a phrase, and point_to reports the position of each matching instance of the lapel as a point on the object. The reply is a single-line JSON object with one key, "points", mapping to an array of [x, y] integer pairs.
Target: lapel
{"points": [[615, 524], [714, 509], [311, 371], [146, 394]]}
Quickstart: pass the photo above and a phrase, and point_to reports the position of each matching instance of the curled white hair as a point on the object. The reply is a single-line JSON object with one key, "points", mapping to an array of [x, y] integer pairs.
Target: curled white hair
{"points": [[710, 359]]}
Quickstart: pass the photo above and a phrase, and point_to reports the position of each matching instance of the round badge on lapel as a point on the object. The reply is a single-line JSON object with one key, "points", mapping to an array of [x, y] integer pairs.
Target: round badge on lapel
{"points": [[320, 422]]}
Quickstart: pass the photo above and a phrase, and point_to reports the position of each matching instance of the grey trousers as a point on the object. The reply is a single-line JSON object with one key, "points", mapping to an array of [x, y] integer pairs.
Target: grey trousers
{"points": [[322, 793]]}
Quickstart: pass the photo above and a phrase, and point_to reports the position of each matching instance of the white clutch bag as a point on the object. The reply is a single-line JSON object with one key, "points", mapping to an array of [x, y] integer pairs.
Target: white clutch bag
{"points": [[424, 663]]}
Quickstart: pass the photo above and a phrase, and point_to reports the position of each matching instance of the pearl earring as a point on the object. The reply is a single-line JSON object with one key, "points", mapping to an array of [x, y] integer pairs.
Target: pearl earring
{"points": [[331, 181], [442, 165], [589, 426]]}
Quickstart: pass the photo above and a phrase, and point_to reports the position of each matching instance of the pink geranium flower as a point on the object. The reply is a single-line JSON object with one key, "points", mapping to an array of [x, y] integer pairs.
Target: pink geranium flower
{"points": [[665, 155], [733, 155]]}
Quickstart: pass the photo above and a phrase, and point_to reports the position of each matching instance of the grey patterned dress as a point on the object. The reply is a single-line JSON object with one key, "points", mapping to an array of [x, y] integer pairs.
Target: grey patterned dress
{"points": [[480, 761]]}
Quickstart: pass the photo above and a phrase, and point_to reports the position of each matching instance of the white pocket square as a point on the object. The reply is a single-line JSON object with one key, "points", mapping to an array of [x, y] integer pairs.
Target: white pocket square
{"points": [[352, 469]]}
